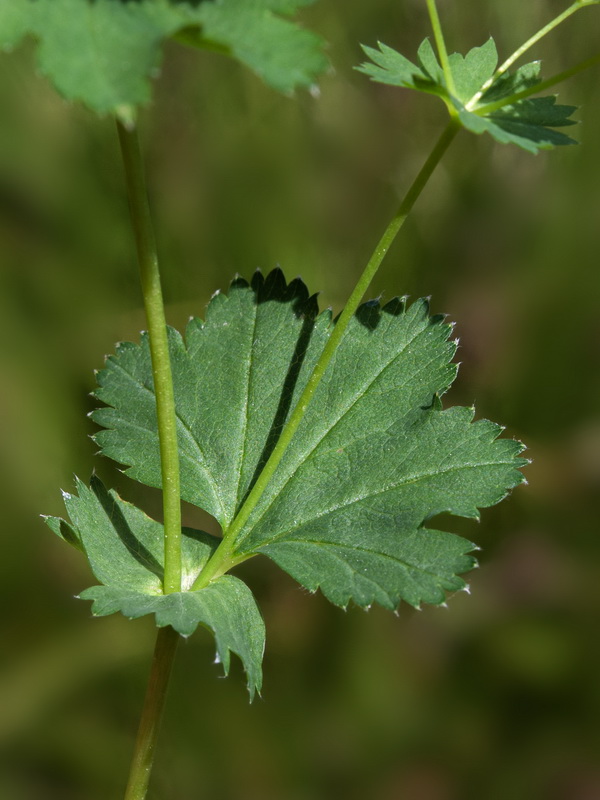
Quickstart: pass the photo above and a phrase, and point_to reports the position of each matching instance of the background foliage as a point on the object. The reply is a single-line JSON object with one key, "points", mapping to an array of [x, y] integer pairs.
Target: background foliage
{"points": [[497, 696]]}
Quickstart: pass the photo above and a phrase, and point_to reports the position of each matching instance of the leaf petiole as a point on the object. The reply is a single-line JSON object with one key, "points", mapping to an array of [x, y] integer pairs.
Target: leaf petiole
{"points": [[533, 40], [441, 45], [159, 349]]}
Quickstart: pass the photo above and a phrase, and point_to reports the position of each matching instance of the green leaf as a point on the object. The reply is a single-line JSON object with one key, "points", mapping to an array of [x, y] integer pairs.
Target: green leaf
{"points": [[235, 381], [509, 84], [105, 52], [428, 61], [473, 70], [125, 549], [374, 458], [226, 606], [284, 55], [527, 122], [14, 24], [390, 67], [469, 72], [394, 69]]}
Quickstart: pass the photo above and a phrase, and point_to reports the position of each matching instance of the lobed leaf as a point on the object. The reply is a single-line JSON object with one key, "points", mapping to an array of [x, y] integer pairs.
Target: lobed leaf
{"points": [[105, 52], [125, 549], [394, 69], [508, 84], [391, 67], [529, 122], [235, 380], [284, 55], [226, 606], [373, 459], [473, 70]]}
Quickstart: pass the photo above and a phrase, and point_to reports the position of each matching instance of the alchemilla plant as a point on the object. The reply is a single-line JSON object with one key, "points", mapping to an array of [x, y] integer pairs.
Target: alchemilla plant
{"points": [[319, 442]]}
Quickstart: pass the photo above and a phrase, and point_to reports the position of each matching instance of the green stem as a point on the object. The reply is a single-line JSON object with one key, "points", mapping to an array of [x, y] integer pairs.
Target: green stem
{"points": [[441, 45], [489, 108], [143, 755], [554, 23], [223, 558], [159, 350]]}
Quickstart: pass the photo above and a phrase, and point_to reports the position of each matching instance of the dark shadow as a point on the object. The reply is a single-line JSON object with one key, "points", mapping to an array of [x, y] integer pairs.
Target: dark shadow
{"points": [[124, 532], [369, 314], [69, 535], [274, 288], [202, 537]]}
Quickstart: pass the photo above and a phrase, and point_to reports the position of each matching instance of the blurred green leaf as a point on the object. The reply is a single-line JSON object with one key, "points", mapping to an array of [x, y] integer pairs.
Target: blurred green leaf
{"points": [[284, 55], [105, 52]]}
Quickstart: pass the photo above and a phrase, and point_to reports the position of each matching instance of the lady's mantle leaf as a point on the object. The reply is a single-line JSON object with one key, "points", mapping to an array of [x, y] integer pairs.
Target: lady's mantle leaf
{"points": [[374, 456], [469, 72], [125, 550], [284, 55], [235, 382], [226, 606], [526, 122], [105, 52]]}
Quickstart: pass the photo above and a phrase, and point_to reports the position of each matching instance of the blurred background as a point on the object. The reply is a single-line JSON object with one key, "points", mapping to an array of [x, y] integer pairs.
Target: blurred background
{"points": [[496, 696]]}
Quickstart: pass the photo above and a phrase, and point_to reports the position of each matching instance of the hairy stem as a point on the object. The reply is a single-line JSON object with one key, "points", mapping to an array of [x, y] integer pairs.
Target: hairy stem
{"points": [[441, 45], [550, 26], [159, 350], [223, 558], [143, 755]]}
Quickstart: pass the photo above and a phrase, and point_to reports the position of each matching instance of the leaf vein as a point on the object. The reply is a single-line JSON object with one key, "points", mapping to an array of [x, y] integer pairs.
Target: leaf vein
{"points": [[392, 487]]}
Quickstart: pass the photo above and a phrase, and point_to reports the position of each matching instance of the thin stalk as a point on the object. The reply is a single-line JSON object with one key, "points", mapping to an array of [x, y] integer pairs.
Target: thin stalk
{"points": [[489, 108], [159, 350], [441, 45], [222, 560], [143, 755], [554, 23]]}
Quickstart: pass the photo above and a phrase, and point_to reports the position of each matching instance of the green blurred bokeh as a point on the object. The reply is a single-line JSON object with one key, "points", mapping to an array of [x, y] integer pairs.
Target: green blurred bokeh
{"points": [[495, 697]]}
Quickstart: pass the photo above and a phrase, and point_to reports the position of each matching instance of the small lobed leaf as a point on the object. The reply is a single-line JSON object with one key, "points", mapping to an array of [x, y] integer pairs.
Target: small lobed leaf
{"points": [[473, 70], [374, 458], [125, 549], [428, 60], [105, 52], [509, 83], [527, 122], [391, 67]]}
